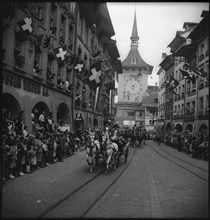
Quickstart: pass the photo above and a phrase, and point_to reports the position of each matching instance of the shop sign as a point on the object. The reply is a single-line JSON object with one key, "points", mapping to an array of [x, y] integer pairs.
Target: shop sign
{"points": [[28, 85]]}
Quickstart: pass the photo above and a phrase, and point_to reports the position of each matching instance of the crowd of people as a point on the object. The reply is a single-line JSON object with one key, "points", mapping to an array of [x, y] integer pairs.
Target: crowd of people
{"points": [[24, 153], [196, 146]]}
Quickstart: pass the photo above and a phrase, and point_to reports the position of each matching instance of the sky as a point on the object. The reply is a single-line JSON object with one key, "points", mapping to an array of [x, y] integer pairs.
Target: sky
{"points": [[157, 23]]}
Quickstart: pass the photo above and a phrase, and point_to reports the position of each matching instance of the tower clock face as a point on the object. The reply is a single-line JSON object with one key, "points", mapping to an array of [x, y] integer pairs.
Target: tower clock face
{"points": [[132, 86]]}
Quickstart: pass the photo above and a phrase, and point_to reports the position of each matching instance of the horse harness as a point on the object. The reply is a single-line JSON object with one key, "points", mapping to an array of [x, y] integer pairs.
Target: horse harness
{"points": [[111, 146]]}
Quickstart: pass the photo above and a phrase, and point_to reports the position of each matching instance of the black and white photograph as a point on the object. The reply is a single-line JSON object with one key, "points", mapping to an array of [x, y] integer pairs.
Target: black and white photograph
{"points": [[105, 110]]}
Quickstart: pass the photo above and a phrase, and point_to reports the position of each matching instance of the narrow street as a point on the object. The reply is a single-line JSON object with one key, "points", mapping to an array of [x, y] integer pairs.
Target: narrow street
{"points": [[156, 182]]}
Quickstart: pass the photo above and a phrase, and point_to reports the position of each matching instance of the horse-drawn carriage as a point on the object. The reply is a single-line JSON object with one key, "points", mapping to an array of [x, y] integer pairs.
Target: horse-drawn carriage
{"points": [[109, 150]]}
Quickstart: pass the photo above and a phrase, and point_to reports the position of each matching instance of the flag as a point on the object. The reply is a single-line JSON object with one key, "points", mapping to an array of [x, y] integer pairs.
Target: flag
{"points": [[60, 53], [94, 79], [79, 67], [96, 54], [43, 40], [195, 70], [110, 85], [185, 73], [25, 25], [201, 73], [173, 82]]}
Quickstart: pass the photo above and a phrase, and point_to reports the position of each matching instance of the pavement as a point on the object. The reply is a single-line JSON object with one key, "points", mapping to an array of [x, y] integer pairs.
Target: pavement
{"points": [[31, 194]]}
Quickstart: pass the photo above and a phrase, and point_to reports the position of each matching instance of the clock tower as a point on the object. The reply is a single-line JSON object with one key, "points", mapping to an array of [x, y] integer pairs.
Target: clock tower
{"points": [[133, 82]]}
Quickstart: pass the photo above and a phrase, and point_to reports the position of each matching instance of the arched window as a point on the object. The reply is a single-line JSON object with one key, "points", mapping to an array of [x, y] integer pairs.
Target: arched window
{"points": [[133, 60]]}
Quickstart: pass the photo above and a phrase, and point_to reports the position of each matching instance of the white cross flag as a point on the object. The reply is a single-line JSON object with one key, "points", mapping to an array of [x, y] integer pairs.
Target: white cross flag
{"points": [[79, 67], [94, 79], [60, 53], [25, 25]]}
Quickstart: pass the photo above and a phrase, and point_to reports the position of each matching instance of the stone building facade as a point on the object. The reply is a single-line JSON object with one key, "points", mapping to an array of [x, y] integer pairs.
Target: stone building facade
{"points": [[32, 76]]}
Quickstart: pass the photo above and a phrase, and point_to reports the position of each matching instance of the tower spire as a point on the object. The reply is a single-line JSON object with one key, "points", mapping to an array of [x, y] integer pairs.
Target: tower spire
{"points": [[134, 36]]}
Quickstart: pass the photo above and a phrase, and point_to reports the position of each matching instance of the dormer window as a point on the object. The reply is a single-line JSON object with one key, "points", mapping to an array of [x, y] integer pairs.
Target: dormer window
{"points": [[133, 60]]}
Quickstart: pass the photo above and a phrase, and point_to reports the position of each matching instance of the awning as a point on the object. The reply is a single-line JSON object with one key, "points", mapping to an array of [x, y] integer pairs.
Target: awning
{"points": [[186, 51]]}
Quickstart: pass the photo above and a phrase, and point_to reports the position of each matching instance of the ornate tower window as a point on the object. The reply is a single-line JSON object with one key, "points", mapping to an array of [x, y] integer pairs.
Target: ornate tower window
{"points": [[133, 60]]}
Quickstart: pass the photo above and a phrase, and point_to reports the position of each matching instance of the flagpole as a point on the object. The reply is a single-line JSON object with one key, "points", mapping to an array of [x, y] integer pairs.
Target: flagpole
{"points": [[110, 103], [184, 101], [96, 99], [196, 113]]}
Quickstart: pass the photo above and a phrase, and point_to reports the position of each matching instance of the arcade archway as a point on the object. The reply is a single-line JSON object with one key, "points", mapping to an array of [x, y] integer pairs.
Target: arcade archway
{"points": [[178, 128], [168, 127], [39, 108], [63, 113], [189, 128], [10, 104], [203, 127]]}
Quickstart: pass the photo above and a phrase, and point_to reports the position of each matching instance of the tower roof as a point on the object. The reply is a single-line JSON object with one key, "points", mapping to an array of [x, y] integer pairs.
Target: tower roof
{"points": [[135, 31], [140, 63], [134, 59]]}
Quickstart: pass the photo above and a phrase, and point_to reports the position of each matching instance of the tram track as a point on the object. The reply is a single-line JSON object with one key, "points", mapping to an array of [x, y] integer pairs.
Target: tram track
{"points": [[78, 189], [184, 160], [193, 169]]}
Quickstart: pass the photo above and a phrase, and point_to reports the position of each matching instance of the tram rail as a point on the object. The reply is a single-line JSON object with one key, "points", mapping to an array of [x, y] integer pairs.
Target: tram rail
{"points": [[195, 170], [77, 190]]}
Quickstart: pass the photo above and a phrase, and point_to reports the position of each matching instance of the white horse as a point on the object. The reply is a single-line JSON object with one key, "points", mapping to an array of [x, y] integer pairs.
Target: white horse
{"points": [[111, 152], [92, 149]]}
